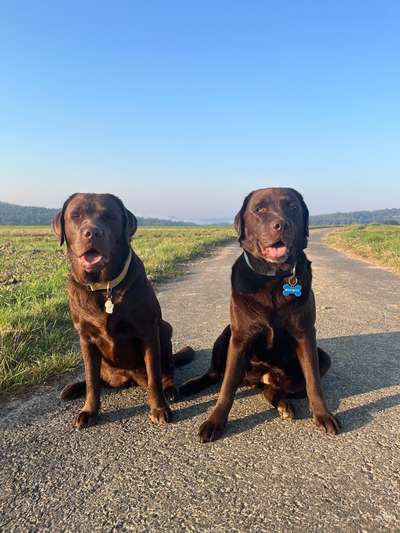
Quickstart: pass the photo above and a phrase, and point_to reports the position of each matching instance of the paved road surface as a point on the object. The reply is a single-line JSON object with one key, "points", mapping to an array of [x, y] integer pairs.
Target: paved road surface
{"points": [[266, 474]]}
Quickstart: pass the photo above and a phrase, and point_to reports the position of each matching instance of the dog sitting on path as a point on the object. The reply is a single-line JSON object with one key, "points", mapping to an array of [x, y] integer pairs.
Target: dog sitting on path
{"points": [[123, 337], [271, 339]]}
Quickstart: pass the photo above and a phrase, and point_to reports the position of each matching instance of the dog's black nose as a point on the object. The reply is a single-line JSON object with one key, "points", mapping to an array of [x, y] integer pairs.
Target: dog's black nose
{"points": [[91, 232]]}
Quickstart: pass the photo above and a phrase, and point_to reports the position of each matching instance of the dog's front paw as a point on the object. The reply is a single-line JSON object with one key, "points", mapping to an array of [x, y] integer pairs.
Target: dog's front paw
{"points": [[160, 415], [327, 422], [212, 429], [85, 419]]}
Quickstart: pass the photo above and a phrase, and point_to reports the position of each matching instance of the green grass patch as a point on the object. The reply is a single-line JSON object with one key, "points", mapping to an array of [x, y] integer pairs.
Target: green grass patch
{"points": [[377, 243], [37, 339]]}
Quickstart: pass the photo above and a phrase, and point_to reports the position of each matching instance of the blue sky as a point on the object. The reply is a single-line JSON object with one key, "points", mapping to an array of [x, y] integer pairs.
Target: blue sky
{"points": [[181, 108]]}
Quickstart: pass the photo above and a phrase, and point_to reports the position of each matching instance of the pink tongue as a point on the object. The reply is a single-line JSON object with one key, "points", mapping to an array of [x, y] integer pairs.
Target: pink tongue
{"points": [[92, 257], [274, 253]]}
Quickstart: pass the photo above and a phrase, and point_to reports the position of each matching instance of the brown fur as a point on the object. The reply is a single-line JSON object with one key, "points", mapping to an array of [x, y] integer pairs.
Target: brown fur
{"points": [[271, 341], [131, 346]]}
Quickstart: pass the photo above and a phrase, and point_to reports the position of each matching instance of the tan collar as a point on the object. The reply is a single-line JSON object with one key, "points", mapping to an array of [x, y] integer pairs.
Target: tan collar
{"points": [[108, 285]]}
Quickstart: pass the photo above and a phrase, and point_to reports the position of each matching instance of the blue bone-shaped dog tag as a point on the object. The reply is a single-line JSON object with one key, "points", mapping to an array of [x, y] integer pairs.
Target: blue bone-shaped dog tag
{"points": [[292, 289]]}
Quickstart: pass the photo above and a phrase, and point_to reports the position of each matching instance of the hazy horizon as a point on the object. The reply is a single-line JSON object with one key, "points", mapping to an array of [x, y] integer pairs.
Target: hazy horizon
{"points": [[201, 219], [182, 109]]}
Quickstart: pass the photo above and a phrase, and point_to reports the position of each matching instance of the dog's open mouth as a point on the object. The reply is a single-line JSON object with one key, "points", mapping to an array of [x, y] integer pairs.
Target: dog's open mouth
{"points": [[91, 259], [275, 253]]}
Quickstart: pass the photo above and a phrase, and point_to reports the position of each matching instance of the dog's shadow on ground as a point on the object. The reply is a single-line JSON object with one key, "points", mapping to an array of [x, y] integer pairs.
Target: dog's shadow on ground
{"points": [[361, 364], [122, 414], [195, 409]]}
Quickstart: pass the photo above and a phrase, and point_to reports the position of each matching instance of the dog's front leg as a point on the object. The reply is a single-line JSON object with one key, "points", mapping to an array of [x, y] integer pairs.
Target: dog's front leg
{"points": [[92, 361], [160, 413], [214, 427], [308, 358]]}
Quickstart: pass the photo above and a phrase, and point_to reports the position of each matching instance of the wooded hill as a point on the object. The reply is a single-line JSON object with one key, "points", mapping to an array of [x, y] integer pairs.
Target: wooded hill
{"points": [[381, 216], [18, 215]]}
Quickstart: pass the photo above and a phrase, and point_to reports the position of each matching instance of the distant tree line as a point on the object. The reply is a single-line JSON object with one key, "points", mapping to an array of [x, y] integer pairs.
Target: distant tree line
{"points": [[17, 215], [381, 216]]}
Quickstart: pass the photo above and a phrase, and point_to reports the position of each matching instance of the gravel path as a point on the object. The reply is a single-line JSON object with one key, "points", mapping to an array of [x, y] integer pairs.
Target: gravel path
{"points": [[265, 474]]}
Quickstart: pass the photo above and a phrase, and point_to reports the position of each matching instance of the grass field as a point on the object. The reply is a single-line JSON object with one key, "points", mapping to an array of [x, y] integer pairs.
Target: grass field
{"points": [[377, 243], [36, 336]]}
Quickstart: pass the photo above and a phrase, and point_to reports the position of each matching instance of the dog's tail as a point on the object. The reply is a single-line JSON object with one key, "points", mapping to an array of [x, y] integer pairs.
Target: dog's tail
{"points": [[73, 391], [198, 383], [183, 356]]}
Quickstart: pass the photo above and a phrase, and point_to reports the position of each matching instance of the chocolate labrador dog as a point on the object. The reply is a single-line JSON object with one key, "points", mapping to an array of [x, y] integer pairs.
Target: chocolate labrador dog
{"points": [[123, 338], [271, 341]]}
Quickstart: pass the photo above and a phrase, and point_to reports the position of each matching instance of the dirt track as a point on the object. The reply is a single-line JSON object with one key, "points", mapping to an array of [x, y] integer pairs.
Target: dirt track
{"points": [[266, 474]]}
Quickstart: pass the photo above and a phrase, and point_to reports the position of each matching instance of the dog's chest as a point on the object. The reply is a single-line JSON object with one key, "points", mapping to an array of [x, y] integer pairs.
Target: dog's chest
{"points": [[114, 336], [270, 309]]}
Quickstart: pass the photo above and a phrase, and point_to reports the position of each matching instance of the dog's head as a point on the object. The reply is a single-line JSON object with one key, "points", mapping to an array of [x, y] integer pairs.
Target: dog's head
{"points": [[272, 224], [97, 229]]}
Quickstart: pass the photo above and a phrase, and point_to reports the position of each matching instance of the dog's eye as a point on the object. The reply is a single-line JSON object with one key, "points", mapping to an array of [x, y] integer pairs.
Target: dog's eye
{"points": [[75, 214], [261, 209], [293, 207]]}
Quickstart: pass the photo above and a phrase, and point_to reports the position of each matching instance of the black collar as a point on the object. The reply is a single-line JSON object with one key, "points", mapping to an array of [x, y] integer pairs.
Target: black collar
{"points": [[274, 273]]}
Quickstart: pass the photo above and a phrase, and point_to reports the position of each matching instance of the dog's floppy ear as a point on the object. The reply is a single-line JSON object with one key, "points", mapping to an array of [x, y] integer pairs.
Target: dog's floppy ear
{"points": [[130, 224], [239, 218], [58, 223], [130, 221], [305, 213]]}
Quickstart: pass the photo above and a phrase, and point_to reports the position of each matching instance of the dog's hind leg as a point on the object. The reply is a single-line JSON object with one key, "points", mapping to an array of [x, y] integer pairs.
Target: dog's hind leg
{"points": [[276, 398]]}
